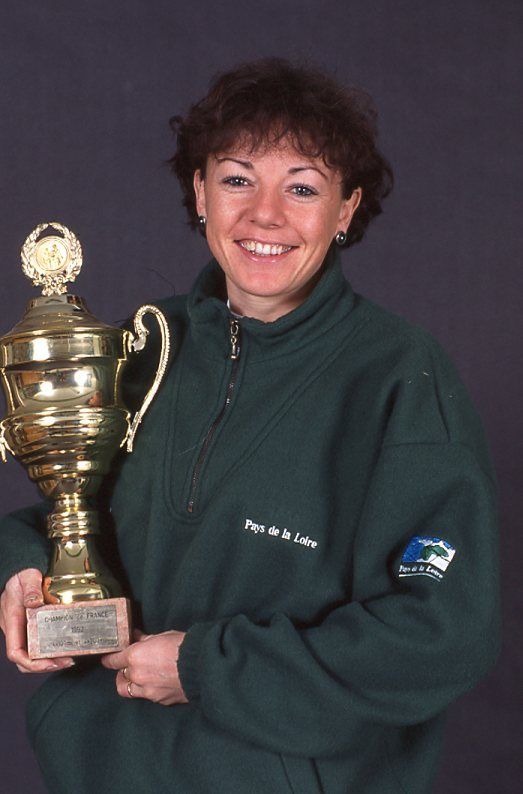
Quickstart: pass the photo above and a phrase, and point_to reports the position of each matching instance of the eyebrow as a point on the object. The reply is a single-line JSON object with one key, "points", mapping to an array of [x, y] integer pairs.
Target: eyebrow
{"points": [[295, 170]]}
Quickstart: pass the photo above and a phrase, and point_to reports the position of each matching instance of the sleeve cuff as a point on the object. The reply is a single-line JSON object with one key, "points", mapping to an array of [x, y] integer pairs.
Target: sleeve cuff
{"points": [[11, 568], [190, 659], [23, 542]]}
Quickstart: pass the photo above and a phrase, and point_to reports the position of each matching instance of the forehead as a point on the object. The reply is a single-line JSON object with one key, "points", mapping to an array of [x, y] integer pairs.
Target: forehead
{"points": [[283, 153]]}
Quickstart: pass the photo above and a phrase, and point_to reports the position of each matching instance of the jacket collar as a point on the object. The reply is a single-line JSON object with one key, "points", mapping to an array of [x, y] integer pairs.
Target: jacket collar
{"points": [[329, 302]]}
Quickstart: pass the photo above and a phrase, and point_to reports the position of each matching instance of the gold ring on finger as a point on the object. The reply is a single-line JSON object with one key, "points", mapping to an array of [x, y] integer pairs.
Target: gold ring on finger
{"points": [[124, 673], [129, 685]]}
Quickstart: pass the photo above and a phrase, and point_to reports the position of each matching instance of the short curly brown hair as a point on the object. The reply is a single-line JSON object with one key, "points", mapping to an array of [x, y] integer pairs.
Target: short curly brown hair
{"points": [[260, 102]]}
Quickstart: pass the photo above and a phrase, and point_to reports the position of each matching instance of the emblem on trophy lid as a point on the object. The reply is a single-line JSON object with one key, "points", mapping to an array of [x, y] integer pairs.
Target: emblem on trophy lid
{"points": [[52, 260]]}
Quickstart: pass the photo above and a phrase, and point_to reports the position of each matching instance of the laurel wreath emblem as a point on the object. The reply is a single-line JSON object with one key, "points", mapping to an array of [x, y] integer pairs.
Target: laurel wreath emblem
{"points": [[53, 283]]}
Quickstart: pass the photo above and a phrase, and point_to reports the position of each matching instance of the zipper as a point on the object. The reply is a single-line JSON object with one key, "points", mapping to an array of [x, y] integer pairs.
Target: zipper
{"points": [[234, 355]]}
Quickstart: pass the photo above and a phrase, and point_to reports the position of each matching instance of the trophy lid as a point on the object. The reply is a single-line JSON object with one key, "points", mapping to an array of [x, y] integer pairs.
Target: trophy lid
{"points": [[57, 314], [59, 328], [52, 260]]}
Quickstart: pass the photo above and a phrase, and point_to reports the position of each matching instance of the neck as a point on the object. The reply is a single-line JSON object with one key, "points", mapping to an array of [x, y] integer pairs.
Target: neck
{"points": [[268, 308]]}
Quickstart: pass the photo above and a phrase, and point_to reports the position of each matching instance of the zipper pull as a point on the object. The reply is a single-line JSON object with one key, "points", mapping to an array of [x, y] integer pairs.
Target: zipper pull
{"points": [[235, 338]]}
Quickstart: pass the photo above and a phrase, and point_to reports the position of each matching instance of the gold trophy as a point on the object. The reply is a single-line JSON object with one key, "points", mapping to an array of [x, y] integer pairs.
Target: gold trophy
{"points": [[61, 371]]}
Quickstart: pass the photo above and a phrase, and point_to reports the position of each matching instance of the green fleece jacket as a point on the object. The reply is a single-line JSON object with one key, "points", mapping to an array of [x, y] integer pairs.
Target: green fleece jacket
{"points": [[312, 501]]}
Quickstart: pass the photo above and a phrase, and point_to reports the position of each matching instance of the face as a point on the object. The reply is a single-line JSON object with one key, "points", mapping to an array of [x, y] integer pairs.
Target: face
{"points": [[271, 216]]}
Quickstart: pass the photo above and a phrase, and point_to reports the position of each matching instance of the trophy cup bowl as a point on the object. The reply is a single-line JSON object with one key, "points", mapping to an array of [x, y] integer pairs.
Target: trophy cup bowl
{"points": [[61, 372]]}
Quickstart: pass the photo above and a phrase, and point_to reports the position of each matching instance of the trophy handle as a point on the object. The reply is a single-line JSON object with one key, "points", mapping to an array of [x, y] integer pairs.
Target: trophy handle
{"points": [[4, 446], [136, 344]]}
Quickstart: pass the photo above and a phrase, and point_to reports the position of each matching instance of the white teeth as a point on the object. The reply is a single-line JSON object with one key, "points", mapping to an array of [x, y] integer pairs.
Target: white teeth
{"points": [[264, 249]]}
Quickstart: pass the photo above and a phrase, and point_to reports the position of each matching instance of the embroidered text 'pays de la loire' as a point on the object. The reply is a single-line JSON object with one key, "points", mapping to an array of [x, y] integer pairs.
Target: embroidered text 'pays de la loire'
{"points": [[284, 534]]}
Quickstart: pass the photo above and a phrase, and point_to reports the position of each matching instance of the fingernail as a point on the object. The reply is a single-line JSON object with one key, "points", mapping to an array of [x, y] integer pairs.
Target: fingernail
{"points": [[52, 667], [70, 663]]}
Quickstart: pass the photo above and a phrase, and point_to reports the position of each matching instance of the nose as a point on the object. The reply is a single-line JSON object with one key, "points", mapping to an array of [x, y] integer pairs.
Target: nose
{"points": [[266, 208]]}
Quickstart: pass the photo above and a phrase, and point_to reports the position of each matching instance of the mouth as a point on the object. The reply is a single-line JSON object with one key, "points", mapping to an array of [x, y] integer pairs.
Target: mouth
{"points": [[258, 250]]}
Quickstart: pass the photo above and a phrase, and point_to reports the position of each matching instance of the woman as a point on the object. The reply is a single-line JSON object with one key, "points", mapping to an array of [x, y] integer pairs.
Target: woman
{"points": [[308, 523]]}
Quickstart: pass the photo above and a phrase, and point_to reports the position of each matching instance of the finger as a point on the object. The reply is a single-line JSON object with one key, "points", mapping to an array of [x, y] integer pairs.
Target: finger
{"points": [[38, 670], [26, 670], [20, 657], [116, 661], [15, 632], [26, 665], [31, 584], [123, 686], [16, 644]]}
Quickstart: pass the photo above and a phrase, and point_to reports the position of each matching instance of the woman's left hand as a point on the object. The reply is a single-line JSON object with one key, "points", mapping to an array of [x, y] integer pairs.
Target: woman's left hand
{"points": [[149, 668]]}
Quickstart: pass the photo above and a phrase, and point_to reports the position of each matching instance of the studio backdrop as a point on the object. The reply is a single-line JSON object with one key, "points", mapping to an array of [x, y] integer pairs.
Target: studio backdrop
{"points": [[87, 91]]}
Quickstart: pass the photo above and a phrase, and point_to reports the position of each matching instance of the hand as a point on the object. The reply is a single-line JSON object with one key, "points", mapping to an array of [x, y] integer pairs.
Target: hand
{"points": [[151, 667], [23, 590]]}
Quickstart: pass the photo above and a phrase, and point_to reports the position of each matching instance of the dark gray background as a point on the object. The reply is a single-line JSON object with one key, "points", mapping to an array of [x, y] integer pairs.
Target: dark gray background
{"points": [[87, 88]]}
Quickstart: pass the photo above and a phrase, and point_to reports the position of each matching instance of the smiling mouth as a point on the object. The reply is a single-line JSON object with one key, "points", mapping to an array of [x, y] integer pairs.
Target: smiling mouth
{"points": [[264, 249]]}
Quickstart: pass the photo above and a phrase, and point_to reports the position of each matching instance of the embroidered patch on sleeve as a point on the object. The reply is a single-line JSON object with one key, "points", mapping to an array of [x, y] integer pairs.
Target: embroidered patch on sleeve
{"points": [[426, 557]]}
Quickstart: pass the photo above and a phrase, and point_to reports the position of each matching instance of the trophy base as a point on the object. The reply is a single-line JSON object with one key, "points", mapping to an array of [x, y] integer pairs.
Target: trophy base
{"points": [[79, 629]]}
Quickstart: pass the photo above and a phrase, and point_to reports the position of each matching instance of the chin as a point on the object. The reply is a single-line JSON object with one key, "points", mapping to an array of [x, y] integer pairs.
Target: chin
{"points": [[262, 287]]}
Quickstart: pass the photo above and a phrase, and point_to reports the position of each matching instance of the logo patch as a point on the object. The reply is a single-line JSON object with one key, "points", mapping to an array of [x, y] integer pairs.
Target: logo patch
{"points": [[426, 557]]}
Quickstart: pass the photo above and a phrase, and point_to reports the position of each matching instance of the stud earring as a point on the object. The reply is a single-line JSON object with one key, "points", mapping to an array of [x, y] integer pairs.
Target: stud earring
{"points": [[341, 238], [202, 220]]}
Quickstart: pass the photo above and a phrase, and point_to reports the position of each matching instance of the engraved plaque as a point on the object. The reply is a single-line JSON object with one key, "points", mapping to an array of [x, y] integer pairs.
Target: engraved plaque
{"points": [[85, 628], [78, 629]]}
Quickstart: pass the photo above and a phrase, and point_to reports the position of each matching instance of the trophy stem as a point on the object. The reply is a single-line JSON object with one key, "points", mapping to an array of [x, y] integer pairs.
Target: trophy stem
{"points": [[76, 571], [72, 514]]}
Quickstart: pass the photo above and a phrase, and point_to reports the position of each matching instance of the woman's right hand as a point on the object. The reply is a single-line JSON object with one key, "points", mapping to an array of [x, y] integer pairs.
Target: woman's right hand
{"points": [[23, 590]]}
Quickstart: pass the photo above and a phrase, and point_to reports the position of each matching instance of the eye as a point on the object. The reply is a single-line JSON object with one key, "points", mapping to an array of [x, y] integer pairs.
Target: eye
{"points": [[305, 191], [235, 181]]}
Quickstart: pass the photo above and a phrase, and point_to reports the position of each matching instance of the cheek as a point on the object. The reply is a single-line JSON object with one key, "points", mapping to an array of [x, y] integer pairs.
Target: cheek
{"points": [[317, 227], [222, 215]]}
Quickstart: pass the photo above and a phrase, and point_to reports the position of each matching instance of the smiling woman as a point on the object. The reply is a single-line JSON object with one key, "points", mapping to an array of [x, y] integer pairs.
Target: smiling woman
{"points": [[308, 520]]}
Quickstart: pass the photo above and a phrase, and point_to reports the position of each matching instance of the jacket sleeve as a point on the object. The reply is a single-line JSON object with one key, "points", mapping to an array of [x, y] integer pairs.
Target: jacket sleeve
{"points": [[400, 650], [23, 541]]}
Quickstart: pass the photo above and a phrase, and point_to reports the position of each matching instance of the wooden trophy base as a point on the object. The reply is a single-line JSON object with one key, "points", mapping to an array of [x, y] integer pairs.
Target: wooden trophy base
{"points": [[79, 629]]}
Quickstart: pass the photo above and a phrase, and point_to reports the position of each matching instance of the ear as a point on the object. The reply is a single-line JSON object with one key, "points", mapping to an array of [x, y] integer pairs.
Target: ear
{"points": [[199, 192], [348, 208]]}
